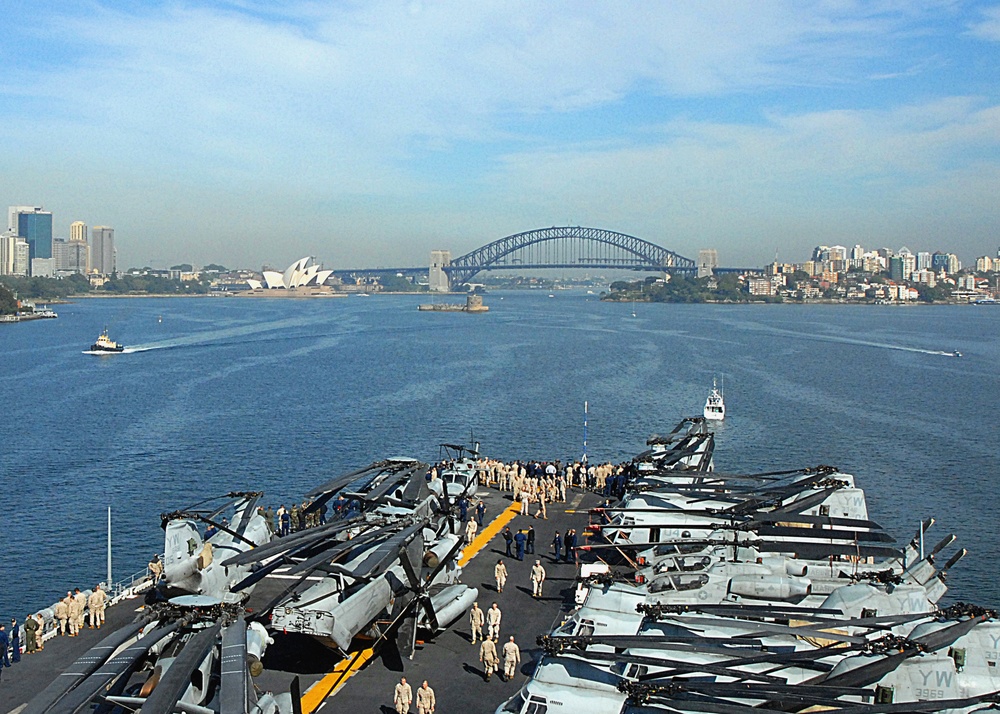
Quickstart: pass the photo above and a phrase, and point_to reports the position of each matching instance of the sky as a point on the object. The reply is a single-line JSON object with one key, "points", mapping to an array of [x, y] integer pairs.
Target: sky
{"points": [[370, 133]]}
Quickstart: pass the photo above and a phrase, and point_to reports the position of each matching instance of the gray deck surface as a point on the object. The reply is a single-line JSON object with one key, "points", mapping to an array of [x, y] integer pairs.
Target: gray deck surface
{"points": [[450, 663]]}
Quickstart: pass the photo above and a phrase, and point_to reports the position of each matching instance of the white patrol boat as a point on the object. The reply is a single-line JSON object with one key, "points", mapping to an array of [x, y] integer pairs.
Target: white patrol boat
{"points": [[715, 405]]}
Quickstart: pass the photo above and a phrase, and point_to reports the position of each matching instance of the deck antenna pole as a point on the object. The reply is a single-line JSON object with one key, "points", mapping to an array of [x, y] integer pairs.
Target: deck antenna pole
{"points": [[921, 540], [585, 413], [109, 547]]}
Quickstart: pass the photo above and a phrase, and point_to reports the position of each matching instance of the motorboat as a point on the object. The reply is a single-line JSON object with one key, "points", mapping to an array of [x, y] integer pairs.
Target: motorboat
{"points": [[715, 405], [105, 344]]}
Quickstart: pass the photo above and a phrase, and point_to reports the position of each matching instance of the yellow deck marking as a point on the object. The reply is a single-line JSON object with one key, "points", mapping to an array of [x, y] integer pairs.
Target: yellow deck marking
{"points": [[345, 669], [334, 681], [479, 542]]}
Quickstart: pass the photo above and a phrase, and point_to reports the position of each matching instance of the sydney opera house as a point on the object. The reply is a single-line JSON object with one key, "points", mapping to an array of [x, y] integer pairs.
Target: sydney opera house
{"points": [[302, 278]]}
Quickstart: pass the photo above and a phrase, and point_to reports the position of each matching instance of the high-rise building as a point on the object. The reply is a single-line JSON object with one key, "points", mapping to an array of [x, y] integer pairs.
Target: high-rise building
{"points": [[102, 250], [70, 256], [436, 276], [7, 241], [708, 261], [78, 232], [34, 225], [21, 256]]}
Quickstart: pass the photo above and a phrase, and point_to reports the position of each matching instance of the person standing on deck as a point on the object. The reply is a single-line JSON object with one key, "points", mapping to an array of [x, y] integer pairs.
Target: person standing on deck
{"points": [[95, 604], [511, 658], [488, 656], [81, 604], [15, 641], [30, 634], [476, 620], [480, 512], [425, 699], [500, 573], [74, 612], [508, 538], [470, 531], [520, 539], [4, 646], [557, 545], [40, 635], [493, 616], [529, 543], [402, 695], [62, 616], [537, 578], [155, 569]]}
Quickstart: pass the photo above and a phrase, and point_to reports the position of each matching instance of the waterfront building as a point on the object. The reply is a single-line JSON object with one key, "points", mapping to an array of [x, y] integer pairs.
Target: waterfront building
{"points": [[103, 258], [70, 256], [760, 286], [302, 273], [34, 224], [708, 261], [985, 264], [925, 276], [437, 278]]}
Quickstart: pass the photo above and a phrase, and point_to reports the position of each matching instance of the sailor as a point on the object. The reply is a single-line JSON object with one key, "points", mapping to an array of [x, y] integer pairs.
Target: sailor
{"points": [[557, 545], [402, 696], [74, 608], [529, 543], [541, 505], [81, 605], [493, 616], [62, 615], [5, 644], [155, 569], [511, 657], [524, 502], [463, 508], [569, 543], [295, 517], [480, 512], [470, 531], [285, 520], [500, 573], [40, 636], [425, 699], [488, 656], [30, 634], [520, 539], [537, 578], [96, 603], [508, 539], [15, 641], [476, 620]]}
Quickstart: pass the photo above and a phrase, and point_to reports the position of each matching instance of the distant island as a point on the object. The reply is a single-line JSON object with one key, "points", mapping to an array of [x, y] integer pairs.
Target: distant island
{"points": [[729, 288]]}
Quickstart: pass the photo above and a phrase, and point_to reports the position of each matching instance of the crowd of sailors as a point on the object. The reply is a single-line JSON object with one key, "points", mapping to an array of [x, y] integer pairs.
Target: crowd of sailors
{"points": [[68, 617]]}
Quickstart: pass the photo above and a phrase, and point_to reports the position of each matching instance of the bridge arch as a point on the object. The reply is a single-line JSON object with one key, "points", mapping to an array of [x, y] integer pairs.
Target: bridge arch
{"points": [[567, 247]]}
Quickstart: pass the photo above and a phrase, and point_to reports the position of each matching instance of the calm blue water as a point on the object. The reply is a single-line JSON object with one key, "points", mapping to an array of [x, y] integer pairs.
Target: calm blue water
{"points": [[279, 395]]}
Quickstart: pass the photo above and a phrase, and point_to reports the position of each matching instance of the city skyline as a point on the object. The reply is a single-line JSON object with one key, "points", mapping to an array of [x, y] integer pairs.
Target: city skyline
{"points": [[368, 135]]}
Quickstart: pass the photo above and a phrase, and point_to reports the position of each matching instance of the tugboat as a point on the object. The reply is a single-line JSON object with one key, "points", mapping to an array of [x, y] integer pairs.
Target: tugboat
{"points": [[715, 407], [106, 344]]}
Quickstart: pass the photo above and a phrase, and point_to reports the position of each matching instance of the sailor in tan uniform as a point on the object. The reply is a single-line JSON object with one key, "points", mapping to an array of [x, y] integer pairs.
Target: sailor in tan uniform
{"points": [[488, 656], [511, 657], [62, 615], [476, 620], [402, 695], [537, 578], [425, 699], [500, 573], [493, 616]]}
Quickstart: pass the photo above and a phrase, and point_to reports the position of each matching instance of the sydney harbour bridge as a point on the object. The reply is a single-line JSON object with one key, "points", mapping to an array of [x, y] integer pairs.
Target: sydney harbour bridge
{"points": [[556, 248]]}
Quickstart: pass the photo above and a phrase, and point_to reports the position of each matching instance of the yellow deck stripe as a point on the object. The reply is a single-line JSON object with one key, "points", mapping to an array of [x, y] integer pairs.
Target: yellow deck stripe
{"points": [[345, 669], [334, 681], [479, 542]]}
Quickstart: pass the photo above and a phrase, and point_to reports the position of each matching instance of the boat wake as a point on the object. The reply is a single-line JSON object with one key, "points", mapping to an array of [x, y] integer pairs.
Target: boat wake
{"points": [[863, 343]]}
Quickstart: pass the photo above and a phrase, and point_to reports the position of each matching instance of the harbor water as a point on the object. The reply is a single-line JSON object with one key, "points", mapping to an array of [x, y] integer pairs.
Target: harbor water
{"points": [[222, 394]]}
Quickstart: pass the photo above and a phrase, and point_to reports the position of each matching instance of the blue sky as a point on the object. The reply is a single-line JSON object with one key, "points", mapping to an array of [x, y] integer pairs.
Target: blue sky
{"points": [[369, 133]]}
